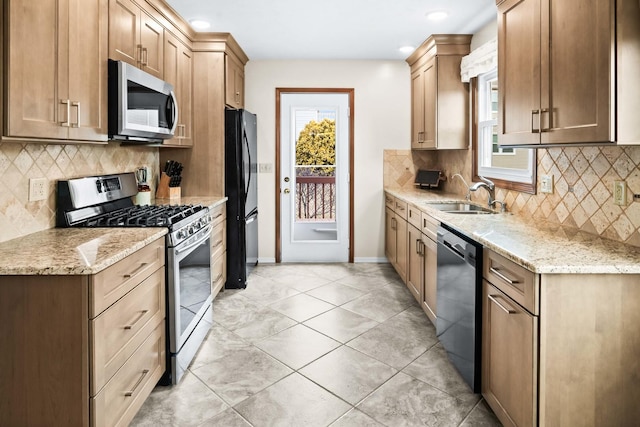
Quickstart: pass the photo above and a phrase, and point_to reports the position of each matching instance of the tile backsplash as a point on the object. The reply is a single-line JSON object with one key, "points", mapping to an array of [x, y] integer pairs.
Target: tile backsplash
{"points": [[583, 186], [20, 162]]}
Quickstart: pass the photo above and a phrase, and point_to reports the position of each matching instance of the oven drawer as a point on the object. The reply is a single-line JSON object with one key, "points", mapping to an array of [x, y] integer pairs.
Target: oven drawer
{"points": [[113, 283], [218, 240], [119, 400], [118, 331], [218, 214]]}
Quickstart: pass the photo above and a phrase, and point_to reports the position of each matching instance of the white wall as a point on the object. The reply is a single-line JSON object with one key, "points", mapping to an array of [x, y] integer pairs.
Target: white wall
{"points": [[382, 121]]}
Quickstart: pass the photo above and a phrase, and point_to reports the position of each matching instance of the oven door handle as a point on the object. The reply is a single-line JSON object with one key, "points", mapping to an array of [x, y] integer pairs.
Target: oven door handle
{"points": [[205, 236]]}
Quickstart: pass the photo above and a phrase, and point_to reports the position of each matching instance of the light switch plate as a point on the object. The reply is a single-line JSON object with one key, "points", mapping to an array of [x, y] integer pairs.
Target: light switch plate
{"points": [[546, 184]]}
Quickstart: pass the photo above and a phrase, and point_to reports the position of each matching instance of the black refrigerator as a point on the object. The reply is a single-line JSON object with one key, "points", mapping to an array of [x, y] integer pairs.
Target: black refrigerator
{"points": [[241, 189]]}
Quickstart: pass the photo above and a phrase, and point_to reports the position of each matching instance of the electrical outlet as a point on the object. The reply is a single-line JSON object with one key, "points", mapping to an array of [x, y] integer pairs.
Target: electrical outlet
{"points": [[37, 189], [546, 184], [620, 193]]}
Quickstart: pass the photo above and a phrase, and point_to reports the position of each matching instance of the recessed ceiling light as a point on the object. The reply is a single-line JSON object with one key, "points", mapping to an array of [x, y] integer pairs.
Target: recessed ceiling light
{"points": [[199, 24], [437, 15], [407, 49]]}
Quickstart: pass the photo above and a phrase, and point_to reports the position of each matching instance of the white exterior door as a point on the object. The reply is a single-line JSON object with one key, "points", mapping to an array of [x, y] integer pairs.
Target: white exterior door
{"points": [[314, 177]]}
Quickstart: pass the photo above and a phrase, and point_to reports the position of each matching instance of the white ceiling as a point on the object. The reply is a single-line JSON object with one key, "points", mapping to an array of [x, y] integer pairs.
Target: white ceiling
{"points": [[334, 29]]}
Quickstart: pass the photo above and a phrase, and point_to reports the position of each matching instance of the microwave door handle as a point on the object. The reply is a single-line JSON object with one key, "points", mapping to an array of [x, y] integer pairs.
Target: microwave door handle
{"points": [[175, 112]]}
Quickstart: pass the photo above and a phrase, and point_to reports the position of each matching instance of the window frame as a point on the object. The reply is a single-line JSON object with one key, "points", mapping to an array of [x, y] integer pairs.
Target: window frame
{"points": [[502, 177]]}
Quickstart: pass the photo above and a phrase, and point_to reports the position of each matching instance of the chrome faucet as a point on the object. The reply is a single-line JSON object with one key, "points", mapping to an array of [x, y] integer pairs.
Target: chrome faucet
{"points": [[468, 196], [487, 185]]}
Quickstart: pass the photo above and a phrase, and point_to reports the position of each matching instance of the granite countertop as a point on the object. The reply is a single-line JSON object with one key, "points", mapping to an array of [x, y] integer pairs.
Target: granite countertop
{"points": [[68, 251], [540, 246]]}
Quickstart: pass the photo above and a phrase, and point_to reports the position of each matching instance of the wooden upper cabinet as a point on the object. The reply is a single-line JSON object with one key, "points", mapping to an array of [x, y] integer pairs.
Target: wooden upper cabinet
{"points": [[56, 72], [555, 72], [439, 99], [234, 82], [178, 70], [135, 37]]}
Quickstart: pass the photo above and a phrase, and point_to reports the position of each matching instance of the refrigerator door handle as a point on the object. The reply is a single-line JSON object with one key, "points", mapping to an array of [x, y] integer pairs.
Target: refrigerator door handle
{"points": [[246, 142]]}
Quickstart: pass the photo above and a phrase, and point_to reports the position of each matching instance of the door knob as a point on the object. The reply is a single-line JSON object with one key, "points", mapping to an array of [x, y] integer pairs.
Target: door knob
{"points": [[287, 191], [286, 179]]}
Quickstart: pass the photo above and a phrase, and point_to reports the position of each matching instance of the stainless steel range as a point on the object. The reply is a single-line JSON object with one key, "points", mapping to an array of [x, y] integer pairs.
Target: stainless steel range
{"points": [[106, 201]]}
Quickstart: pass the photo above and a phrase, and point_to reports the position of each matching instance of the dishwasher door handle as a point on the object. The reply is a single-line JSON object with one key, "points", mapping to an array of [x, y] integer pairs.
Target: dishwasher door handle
{"points": [[455, 248]]}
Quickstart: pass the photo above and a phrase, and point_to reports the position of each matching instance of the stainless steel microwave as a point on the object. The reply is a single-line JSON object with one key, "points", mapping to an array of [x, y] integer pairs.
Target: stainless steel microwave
{"points": [[142, 108]]}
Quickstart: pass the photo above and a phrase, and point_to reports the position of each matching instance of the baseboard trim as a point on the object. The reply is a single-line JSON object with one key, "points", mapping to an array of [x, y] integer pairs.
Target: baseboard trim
{"points": [[382, 260], [266, 261]]}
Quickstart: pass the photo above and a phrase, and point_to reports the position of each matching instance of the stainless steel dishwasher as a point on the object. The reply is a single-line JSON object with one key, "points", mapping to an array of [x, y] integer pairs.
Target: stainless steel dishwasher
{"points": [[459, 296]]}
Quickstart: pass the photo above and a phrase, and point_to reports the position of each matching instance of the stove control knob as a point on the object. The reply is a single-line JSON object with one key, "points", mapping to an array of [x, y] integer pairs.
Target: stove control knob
{"points": [[182, 234], [190, 230]]}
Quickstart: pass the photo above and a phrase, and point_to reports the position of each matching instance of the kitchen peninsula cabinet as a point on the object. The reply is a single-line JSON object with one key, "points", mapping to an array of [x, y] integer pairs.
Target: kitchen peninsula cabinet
{"points": [[439, 99], [83, 349], [567, 72], [136, 37], [178, 70], [56, 70]]}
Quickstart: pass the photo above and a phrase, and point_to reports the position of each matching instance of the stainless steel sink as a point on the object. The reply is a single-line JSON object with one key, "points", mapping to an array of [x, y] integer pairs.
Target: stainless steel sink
{"points": [[460, 208]]}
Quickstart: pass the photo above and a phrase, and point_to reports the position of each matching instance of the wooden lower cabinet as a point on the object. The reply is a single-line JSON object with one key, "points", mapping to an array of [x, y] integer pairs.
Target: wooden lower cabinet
{"points": [[430, 270], [560, 349], [415, 262], [509, 340], [218, 249], [67, 359], [396, 242]]}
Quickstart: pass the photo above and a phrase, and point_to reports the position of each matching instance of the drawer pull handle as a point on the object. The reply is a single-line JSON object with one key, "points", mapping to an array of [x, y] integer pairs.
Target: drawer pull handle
{"points": [[217, 216], [493, 299], [217, 278], [136, 271], [218, 243], [142, 313], [502, 276], [135, 386]]}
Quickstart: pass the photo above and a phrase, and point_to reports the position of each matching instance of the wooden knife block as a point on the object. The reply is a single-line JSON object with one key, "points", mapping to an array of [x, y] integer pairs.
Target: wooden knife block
{"points": [[166, 192]]}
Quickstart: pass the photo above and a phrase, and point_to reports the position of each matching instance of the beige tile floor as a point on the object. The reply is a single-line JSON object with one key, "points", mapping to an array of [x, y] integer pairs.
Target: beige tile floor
{"points": [[341, 345]]}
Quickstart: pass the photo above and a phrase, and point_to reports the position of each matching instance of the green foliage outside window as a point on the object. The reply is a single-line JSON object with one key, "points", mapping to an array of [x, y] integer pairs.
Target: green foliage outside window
{"points": [[316, 146]]}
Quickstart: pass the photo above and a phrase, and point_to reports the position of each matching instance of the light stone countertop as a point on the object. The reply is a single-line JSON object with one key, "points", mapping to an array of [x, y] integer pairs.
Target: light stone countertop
{"points": [[541, 246], [69, 251]]}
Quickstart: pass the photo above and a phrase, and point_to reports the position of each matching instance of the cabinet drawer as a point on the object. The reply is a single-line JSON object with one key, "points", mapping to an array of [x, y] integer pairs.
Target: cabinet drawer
{"points": [[113, 283], [218, 240], [414, 216], [118, 331], [389, 201], [401, 209], [430, 226], [514, 280], [218, 214], [119, 400], [217, 273]]}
